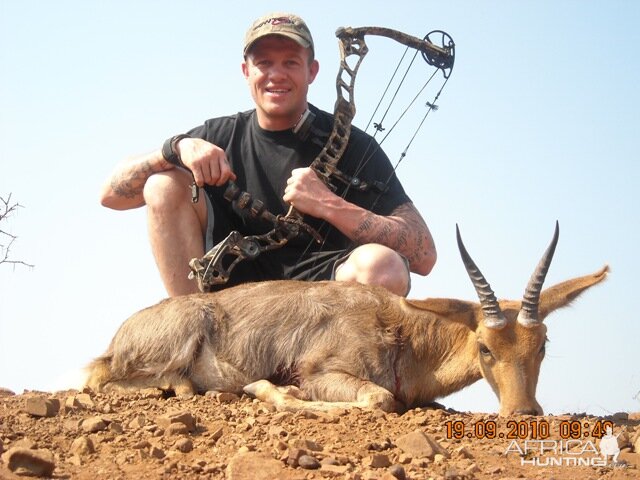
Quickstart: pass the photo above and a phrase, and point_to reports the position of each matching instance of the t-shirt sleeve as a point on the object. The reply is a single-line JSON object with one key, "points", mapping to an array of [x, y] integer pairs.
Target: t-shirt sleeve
{"points": [[216, 130]]}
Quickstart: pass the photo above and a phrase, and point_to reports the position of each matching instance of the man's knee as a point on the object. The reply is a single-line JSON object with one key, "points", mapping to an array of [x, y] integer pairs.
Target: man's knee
{"points": [[169, 188], [375, 264], [168, 195]]}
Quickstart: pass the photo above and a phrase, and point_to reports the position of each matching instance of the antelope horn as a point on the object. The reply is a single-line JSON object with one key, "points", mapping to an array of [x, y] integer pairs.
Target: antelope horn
{"points": [[493, 316], [528, 315]]}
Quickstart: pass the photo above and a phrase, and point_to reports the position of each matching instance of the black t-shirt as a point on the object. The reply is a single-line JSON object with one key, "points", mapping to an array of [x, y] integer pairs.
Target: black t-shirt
{"points": [[262, 161]]}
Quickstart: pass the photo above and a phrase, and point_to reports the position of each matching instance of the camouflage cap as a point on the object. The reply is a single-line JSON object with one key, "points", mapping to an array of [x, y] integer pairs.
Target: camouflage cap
{"points": [[285, 24]]}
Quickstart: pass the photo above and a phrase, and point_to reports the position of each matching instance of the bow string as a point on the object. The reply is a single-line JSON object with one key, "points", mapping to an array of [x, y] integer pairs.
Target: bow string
{"points": [[437, 49]]}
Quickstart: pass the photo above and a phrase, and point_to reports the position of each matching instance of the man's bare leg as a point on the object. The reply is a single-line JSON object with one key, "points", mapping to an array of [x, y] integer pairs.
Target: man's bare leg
{"points": [[176, 227], [375, 264]]}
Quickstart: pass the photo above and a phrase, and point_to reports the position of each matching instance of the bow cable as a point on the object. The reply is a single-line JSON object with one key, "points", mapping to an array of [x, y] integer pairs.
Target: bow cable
{"points": [[366, 156]]}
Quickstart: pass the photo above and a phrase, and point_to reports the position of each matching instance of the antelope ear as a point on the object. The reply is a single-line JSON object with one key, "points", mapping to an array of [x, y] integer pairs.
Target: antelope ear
{"points": [[450, 309], [564, 293]]}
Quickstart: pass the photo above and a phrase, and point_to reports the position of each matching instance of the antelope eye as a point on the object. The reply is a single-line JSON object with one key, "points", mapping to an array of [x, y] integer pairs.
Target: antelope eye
{"points": [[543, 348], [482, 348]]}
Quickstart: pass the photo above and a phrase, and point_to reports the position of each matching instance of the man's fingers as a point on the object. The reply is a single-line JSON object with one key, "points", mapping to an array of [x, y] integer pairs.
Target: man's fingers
{"points": [[225, 173]]}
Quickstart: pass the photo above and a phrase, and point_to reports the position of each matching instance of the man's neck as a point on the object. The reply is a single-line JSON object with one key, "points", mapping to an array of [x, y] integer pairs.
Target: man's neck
{"points": [[277, 123]]}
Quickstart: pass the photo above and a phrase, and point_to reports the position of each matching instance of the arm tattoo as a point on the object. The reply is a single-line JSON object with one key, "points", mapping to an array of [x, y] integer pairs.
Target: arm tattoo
{"points": [[130, 183], [403, 230]]}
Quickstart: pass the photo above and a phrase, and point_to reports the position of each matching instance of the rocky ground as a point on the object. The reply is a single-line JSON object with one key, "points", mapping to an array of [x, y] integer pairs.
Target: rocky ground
{"points": [[85, 435]]}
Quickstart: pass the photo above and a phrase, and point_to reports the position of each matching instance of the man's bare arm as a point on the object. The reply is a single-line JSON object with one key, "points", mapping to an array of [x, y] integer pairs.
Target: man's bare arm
{"points": [[206, 161], [124, 188], [404, 231]]}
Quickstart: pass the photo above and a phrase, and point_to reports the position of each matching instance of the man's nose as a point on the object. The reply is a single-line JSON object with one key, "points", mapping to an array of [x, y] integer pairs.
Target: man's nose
{"points": [[277, 71]]}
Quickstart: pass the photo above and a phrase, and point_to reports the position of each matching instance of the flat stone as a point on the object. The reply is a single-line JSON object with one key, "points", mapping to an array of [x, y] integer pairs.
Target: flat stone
{"points": [[306, 444], [176, 429], [42, 407], [255, 466], [336, 470], [420, 445], [23, 461], [308, 462], [226, 397], [84, 401], [71, 403], [184, 418], [294, 455], [379, 460], [93, 424]]}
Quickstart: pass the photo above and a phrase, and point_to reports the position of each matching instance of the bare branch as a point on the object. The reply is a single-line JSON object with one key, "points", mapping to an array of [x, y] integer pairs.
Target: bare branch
{"points": [[6, 209]]}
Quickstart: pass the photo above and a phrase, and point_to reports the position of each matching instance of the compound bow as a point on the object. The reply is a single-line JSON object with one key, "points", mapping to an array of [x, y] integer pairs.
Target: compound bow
{"points": [[215, 267]]}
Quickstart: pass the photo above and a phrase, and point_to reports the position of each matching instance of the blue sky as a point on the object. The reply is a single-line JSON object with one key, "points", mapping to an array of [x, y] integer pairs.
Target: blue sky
{"points": [[538, 123]]}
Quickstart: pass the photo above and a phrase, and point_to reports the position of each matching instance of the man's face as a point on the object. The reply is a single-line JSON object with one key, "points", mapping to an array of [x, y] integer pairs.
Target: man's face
{"points": [[279, 72]]}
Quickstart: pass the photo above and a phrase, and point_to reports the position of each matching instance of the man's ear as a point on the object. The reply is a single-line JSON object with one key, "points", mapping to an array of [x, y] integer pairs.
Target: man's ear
{"points": [[245, 70], [314, 68]]}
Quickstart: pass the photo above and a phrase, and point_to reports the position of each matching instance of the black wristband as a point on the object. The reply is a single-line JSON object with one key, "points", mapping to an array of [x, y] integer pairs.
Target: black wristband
{"points": [[169, 149]]}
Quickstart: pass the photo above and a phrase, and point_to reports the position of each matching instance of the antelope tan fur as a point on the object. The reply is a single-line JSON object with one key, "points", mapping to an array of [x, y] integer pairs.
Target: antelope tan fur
{"points": [[319, 345]]}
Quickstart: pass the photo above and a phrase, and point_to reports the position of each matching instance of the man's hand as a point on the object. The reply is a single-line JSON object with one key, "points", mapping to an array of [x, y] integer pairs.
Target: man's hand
{"points": [[207, 161], [308, 194]]}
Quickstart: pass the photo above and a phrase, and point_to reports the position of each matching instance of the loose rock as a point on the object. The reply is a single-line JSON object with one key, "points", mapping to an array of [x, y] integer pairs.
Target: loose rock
{"points": [[23, 461], [398, 472], [93, 424], [308, 462], [184, 418], [254, 466], [42, 407], [184, 445], [379, 460], [420, 445], [82, 446]]}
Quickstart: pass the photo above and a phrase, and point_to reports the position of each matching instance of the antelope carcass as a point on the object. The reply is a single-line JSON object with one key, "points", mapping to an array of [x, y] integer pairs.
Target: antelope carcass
{"points": [[318, 345]]}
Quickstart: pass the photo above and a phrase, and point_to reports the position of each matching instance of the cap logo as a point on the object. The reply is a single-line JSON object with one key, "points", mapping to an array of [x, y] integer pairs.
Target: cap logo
{"points": [[276, 21]]}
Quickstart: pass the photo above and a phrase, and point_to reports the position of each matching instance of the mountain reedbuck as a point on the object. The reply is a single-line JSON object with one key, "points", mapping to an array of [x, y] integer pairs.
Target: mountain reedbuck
{"points": [[318, 345]]}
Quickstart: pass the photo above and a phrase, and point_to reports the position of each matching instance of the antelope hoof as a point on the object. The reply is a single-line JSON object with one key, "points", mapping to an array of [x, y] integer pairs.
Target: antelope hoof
{"points": [[258, 389]]}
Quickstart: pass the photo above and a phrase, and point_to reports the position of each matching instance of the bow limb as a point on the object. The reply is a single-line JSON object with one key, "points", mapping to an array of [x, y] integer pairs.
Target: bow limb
{"points": [[352, 43]]}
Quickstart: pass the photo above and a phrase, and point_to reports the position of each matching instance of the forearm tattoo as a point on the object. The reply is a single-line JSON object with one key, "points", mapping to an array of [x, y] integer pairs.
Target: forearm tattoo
{"points": [[404, 231], [130, 183]]}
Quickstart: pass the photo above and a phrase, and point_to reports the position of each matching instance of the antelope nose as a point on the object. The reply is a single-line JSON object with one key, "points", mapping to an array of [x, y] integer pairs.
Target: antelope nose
{"points": [[527, 411]]}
